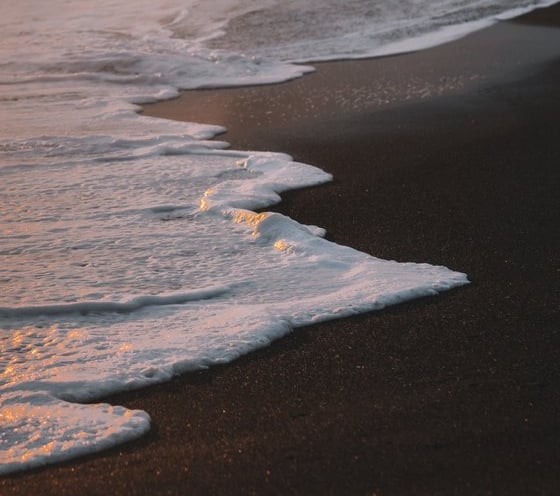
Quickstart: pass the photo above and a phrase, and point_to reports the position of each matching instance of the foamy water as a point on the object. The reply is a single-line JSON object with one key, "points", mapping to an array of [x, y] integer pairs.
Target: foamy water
{"points": [[129, 246]]}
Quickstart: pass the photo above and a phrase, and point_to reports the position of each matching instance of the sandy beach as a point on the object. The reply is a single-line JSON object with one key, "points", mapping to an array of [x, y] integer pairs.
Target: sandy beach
{"points": [[449, 156]]}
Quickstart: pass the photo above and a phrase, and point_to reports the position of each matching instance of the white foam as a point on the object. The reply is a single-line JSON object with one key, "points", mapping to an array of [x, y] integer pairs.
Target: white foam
{"points": [[519, 11], [319, 30], [85, 307], [73, 338], [80, 429], [269, 177], [129, 247]]}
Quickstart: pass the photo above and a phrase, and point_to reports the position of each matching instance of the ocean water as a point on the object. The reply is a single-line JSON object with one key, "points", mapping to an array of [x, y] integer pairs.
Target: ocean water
{"points": [[130, 250]]}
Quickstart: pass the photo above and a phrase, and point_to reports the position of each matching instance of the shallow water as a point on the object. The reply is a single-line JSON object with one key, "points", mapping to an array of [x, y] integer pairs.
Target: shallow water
{"points": [[129, 246]]}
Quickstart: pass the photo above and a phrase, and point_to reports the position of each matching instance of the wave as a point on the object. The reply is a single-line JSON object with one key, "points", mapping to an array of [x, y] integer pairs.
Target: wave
{"points": [[69, 88], [134, 304]]}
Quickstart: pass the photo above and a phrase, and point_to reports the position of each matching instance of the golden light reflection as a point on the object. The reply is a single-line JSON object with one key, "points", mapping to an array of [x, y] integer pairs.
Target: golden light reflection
{"points": [[125, 348], [9, 370], [204, 204], [252, 219], [75, 334], [12, 414]]}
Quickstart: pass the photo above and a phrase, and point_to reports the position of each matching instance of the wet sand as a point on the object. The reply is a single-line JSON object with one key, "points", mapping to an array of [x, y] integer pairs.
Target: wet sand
{"points": [[449, 156]]}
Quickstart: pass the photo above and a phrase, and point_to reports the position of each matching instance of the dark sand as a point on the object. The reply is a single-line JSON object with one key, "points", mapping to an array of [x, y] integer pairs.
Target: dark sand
{"points": [[456, 394]]}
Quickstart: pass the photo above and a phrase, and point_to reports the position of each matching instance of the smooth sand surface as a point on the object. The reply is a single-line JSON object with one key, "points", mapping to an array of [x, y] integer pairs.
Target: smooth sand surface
{"points": [[449, 156]]}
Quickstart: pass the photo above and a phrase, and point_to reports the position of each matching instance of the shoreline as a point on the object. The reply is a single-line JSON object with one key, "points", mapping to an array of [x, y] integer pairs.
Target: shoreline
{"points": [[501, 53], [453, 394]]}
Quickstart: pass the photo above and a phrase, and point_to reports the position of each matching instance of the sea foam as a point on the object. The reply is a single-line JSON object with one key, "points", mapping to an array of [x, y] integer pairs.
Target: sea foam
{"points": [[130, 249]]}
